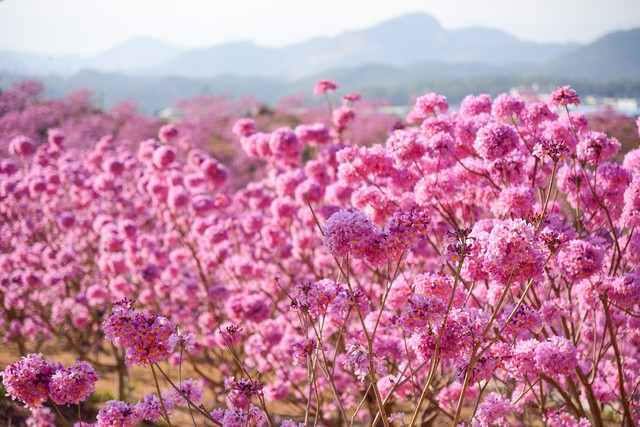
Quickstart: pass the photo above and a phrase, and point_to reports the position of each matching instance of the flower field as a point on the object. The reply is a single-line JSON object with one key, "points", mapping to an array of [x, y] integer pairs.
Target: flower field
{"points": [[325, 266]]}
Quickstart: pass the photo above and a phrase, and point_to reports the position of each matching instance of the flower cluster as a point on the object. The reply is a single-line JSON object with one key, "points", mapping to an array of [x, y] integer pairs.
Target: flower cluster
{"points": [[33, 379], [333, 254], [147, 339]]}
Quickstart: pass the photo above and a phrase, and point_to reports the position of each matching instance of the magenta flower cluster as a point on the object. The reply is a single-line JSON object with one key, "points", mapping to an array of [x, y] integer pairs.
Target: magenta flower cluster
{"points": [[146, 338], [477, 266], [33, 380]]}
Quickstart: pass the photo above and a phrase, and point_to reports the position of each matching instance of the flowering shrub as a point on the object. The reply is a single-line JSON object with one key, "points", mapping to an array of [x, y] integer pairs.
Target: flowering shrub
{"points": [[484, 260]]}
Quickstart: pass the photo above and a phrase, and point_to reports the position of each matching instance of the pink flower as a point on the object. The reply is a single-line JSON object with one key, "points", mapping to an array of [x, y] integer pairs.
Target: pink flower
{"points": [[419, 311], [243, 307], [357, 360], [216, 172], [550, 148], [283, 141], [149, 407], [145, 338], [580, 260], [323, 86], [556, 357], [475, 105], [596, 147], [163, 156], [244, 127], [493, 411], [74, 384], [348, 232], [22, 146], [28, 379], [301, 350], [313, 298], [505, 106], [313, 134], [351, 97], [119, 414], [631, 210], [168, 133], [495, 140], [535, 114], [190, 388], [342, 117], [449, 395], [405, 146], [41, 416], [242, 389], [559, 418], [55, 137], [429, 104], [513, 251], [514, 202], [405, 228], [563, 96]]}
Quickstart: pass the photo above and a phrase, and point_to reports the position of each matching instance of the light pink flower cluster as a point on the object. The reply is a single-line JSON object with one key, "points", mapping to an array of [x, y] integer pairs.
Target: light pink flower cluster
{"points": [[29, 379], [357, 360], [33, 379], [73, 384], [429, 104], [325, 85], [118, 413], [147, 339], [563, 96]]}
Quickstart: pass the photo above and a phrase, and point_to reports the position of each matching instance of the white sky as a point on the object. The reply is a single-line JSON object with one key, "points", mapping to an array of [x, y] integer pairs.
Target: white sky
{"points": [[86, 27]]}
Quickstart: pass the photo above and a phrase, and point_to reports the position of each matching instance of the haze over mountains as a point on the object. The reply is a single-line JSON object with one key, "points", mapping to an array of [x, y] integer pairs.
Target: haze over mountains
{"points": [[407, 51]]}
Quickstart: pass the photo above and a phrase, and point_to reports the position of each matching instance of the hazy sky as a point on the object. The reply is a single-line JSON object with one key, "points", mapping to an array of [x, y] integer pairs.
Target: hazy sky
{"points": [[88, 27]]}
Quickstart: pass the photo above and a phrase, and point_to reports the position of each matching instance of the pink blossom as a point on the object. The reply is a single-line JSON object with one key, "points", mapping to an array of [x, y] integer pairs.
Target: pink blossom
{"points": [[505, 106], [118, 413], [168, 133], [323, 86], [563, 96], [28, 380], [495, 140], [22, 146], [358, 361], [145, 338], [342, 117], [429, 104], [580, 259], [493, 411], [596, 147], [556, 357], [74, 384], [475, 105], [348, 232], [41, 416], [244, 127]]}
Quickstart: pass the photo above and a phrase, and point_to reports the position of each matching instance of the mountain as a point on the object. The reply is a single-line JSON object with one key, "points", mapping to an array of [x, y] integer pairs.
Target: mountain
{"points": [[132, 55], [32, 64], [401, 41], [614, 56], [398, 42], [396, 59]]}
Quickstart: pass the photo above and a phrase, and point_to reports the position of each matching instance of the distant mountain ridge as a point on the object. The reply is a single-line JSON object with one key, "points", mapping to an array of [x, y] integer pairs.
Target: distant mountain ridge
{"points": [[398, 42], [399, 58], [614, 56], [402, 41]]}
